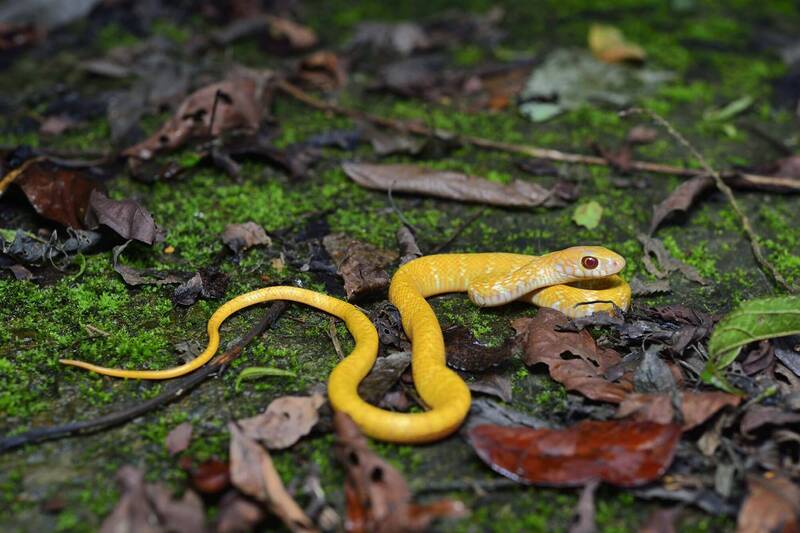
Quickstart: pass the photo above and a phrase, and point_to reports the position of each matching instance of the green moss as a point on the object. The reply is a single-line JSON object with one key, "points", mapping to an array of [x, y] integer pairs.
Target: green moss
{"points": [[113, 35]]}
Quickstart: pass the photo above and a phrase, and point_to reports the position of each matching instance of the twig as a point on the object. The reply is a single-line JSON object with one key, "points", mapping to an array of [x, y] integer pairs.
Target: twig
{"points": [[751, 180], [335, 338], [175, 391], [758, 253]]}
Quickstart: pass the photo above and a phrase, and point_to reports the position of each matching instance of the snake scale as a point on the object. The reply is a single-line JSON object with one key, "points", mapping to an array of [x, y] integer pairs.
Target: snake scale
{"points": [[578, 281]]}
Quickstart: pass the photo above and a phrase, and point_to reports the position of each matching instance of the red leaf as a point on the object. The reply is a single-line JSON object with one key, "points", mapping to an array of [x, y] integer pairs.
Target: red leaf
{"points": [[624, 453]]}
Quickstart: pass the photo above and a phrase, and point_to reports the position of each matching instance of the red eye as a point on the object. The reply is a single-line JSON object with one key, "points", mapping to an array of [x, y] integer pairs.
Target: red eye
{"points": [[589, 262]]}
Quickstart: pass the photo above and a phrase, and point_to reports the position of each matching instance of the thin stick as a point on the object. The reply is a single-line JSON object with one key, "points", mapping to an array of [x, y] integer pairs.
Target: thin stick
{"points": [[755, 246], [177, 390], [750, 180]]}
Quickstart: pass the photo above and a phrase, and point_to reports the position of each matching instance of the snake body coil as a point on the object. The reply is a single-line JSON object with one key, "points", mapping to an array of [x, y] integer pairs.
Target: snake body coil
{"points": [[490, 279]]}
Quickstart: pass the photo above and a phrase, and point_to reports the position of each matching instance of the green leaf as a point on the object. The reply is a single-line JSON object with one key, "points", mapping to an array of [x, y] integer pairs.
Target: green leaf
{"points": [[260, 372], [729, 111], [588, 215], [756, 320]]}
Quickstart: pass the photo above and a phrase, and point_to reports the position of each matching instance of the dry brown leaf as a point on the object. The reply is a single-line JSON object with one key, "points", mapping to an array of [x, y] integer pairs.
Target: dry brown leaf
{"points": [[464, 352], [237, 514], [236, 103], [609, 45], [378, 498], [240, 237], [543, 343], [383, 375], [452, 185], [680, 199], [696, 407], [772, 504], [758, 416], [284, 422], [298, 36], [150, 508], [360, 264], [654, 247], [179, 438], [323, 70], [128, 218], [253, 473]]}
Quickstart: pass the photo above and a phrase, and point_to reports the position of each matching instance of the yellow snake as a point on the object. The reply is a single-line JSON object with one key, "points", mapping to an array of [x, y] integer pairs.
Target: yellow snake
{"points": [[490, 279]]}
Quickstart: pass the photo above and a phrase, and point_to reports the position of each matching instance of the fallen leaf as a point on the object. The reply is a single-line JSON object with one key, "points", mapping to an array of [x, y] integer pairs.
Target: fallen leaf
{"points": [[207, 282], [298, 36], [609, 45], [211, 476], [150, 508], [694, 407], [569, 79], [543, 342], [667, 264], [493, 384], [128, 218], [588, 215], [134, 277], [57, 193], [486, 411], [240, 237], [787, 351], [757, 416], [465, 352], [754, 320], [30, 250], [360, 264], [586, 510], [377, 497], [253, 473], [237, 514], [57, 124], [788, 167], [322, 70], [284, 422], [653, 374], [648, 288], [178, 438], [407, 243], [402, 38], [236, 103], [772, 504], [680, 199], [621, 452], [383, 375], [662, 521], [452, 185]]}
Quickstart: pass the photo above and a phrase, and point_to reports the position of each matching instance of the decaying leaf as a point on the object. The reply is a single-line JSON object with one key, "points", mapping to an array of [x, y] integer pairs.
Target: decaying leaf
{"points": [[586, 510], [128, 218], [621, 452], [57, 193], [588, 215], [178, 438], [209, 477], [284, 422], [772, 504], [666, 263], [207, 282], [237, 514], [452, 185], [544, 342], [150, 508], [323, 70], [384, 374], [237, 103], [758, 416], [378, 498], [134, 277], [694, 407], [465, 352], [240, 237], [755, 320], [609, 45], [494, 384], [253, 473], [360, 264], [680, 199], [640, 287]]}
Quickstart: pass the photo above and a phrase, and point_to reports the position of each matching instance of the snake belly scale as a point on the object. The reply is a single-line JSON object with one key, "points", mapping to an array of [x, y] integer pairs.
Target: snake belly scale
{"points": [[577, 281]]}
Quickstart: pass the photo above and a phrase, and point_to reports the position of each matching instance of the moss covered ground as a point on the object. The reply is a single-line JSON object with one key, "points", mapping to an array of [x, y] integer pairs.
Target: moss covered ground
{"points": [[710, 46]]}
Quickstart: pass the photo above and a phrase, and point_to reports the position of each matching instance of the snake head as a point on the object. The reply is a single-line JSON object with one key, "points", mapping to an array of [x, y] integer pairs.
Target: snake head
{"points": [[586, 262]]}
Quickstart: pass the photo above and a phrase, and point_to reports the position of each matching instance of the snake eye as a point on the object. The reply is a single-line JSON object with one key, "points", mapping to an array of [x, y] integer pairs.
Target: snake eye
{"points": [[589, 262]]}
